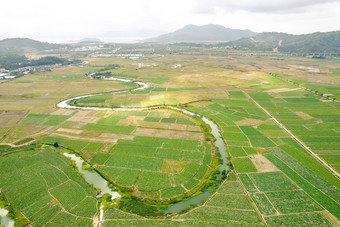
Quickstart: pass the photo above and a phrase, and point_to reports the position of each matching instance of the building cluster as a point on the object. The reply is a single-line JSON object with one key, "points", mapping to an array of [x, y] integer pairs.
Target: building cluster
{"points": [[12, 74]]}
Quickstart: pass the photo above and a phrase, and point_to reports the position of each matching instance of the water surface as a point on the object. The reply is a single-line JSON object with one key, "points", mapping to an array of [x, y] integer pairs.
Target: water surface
{"points": [[5, 221], [93, 178]]}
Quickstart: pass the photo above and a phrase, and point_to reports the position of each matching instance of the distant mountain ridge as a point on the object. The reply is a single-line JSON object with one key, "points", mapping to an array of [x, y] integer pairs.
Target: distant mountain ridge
{"points": [[282, 42], [205, 33], [20, 45]]}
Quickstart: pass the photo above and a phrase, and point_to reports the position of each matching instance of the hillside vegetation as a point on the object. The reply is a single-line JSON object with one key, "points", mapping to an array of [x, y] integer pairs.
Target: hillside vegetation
{"points": [[25, 45]]}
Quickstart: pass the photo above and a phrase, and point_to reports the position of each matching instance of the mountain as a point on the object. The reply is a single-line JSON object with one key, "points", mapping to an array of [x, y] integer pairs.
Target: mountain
{"points": [[318, 42], [23, 45], [205, 33]]}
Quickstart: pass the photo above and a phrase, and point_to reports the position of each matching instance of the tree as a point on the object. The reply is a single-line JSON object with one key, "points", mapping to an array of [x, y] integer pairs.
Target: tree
{"points": [[224, 174]]}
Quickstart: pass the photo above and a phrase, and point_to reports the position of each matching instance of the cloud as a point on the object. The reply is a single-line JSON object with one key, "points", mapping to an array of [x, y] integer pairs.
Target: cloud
{"points": [[259, 6], [65, 19]]}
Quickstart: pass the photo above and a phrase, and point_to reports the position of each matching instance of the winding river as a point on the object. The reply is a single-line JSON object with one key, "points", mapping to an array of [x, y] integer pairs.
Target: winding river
{"points": [[99, 182]]}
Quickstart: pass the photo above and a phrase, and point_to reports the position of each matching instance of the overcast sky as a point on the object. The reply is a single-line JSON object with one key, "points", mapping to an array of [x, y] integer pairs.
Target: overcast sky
{"points": [[119, 20]]}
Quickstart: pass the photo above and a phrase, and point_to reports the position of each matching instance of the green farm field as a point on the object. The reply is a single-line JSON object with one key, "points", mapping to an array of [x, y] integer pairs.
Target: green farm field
{"points": [[43, 196], [157, 157]]}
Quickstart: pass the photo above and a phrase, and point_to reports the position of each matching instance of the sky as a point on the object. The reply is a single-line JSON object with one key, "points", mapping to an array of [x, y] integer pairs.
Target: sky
{"points": [[129, 20]]}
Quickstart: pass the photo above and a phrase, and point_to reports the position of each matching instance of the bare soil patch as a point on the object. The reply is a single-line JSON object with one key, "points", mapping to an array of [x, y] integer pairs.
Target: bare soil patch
{"points": [[247, 77], [84, 116], [78, 124], [306, 68], [11, 117], [249, 121], [167, 134], [262, 164], [201, 104], [193, 128], [70, 130], [156, 97], [159, 125], [116, 136], [38, 129], [177, 127], [135, 119], [131, 122], [304, 115], [279, 90], [87, 139], [64, 112]]}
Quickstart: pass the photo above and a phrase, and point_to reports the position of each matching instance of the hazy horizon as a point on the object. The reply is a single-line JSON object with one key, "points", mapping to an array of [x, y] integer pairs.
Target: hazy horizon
{"points": [[131, 20]]}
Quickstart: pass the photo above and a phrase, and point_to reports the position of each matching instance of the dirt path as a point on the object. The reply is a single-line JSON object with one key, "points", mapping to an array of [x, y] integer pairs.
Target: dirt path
{"points": [[20, 145]]}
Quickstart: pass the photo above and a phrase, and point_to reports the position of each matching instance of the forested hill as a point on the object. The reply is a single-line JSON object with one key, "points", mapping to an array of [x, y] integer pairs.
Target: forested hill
{"points": [[25, 45], [314, 43]]}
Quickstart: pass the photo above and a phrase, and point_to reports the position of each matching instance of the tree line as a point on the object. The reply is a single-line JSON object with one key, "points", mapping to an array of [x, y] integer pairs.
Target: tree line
{"points": [[15, 61]]}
